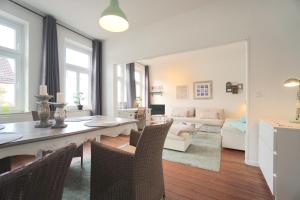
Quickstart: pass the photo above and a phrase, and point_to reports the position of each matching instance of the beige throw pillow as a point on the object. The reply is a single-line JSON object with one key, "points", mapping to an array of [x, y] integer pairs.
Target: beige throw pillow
{"points": [[190, 112]]}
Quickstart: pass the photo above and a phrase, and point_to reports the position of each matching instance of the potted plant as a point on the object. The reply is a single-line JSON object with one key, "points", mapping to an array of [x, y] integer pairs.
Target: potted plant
{"points": [[78, 97], [138, 102]]}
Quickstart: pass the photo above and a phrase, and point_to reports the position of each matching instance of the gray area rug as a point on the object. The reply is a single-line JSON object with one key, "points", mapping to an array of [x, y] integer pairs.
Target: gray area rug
{"points": [[204, 152], [77, 184]]}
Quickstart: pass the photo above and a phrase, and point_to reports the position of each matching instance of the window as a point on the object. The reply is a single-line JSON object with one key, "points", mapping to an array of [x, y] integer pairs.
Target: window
{"points": [[8, 37], [121, 86], [77, 58], [121, 80], [77, 73], [139, 76], [12, 70]]}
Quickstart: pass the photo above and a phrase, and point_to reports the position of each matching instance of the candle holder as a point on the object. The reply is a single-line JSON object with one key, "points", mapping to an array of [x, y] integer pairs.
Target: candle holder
{"points": [[43, 110], [59, 115]]}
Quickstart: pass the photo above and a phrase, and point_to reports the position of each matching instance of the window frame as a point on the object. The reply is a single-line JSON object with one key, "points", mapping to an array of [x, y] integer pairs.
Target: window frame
{"points": [[18, 55], [70, 44]]}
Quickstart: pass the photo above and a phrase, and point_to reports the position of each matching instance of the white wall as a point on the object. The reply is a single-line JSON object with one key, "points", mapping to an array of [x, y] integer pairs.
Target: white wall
{"points": [[219, 64], [34, 46], [272, 28]]}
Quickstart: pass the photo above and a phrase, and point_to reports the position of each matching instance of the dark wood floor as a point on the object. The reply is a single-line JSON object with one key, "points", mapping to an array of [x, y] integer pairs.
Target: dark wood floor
{"points": [[235, 181]]}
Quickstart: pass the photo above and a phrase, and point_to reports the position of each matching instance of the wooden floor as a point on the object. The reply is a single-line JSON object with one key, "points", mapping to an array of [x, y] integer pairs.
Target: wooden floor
{"points": [[235, 181]]}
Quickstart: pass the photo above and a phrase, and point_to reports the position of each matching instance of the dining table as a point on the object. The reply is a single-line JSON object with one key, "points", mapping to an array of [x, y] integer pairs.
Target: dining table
{"points": [[28, 140]]}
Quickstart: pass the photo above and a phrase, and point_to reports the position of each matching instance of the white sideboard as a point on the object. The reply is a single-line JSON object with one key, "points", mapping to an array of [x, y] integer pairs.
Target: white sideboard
{"points": [[130, 113], [279, 158]]}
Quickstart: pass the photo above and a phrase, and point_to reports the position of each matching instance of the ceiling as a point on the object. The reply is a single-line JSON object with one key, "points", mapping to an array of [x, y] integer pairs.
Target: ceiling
{"points": [[83, 15]]}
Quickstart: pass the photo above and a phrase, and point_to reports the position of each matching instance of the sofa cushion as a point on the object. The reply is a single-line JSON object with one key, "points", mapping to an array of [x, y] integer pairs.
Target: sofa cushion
{"points": [[210, 113], [195, 120], [183, 112]]}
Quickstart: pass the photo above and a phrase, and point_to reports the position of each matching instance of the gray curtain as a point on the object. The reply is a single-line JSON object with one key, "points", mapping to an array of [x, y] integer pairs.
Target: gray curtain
{"points": [[96, 78], [50, 66], [131, 92], [147, 87]]}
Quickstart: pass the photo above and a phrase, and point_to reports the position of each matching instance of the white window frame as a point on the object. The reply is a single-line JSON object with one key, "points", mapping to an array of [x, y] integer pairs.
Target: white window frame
{"points": [[19, 55], [78, 69], [121, 79]]}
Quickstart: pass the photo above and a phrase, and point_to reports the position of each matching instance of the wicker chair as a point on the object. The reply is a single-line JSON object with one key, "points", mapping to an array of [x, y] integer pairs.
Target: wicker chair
{"points": [[79, 150], [121, 175], [5, 164], [42, 179]]}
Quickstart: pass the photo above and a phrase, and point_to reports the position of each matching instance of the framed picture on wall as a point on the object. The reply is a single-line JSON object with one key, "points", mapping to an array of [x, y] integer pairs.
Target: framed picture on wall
{"points": [[182, 92], [203, 90]]}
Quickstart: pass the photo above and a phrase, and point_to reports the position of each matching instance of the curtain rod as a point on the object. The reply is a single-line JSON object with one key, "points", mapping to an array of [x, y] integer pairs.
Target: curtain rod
{"points": [[140, 63], [30, 10]]}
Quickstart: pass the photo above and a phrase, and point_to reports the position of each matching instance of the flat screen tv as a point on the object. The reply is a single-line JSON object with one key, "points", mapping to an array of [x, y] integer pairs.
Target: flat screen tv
{"points": [[157, 109]]}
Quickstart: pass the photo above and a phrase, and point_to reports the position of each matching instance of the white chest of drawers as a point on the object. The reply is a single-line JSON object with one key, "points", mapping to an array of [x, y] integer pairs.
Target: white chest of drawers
{"points": [[279, 158]]}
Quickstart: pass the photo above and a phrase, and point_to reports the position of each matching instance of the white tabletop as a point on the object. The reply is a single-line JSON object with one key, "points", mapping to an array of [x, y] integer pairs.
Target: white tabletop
{"points": [[31, 134]]}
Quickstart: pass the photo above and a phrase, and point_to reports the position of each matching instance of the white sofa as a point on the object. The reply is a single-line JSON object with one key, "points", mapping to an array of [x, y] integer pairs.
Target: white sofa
{"points": [[232, 137], [203, 116], [199, 117]]}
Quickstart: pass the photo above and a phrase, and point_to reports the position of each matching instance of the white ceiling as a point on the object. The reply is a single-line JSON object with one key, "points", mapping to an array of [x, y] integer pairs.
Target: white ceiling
{"points": [[83, 15]]}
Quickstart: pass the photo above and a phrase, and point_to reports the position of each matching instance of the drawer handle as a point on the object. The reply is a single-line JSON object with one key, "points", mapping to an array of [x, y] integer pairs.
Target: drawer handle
{"points": [[274, 175], [275, 153]]}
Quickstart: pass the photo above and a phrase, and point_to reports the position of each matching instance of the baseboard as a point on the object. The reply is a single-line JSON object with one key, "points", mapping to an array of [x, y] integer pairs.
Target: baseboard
{"points": [[252, 162]]}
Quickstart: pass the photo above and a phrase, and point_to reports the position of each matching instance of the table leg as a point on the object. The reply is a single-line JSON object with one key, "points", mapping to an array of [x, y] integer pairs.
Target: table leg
{"points": [[5, 165], [98, 138]]}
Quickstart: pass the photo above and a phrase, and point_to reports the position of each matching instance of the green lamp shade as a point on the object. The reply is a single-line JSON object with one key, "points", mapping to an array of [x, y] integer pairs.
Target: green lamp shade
{"points": [[292, 82], [113, 18]]}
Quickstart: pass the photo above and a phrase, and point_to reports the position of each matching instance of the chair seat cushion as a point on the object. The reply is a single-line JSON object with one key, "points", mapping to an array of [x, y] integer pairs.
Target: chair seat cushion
{"points": [[128, 148]]}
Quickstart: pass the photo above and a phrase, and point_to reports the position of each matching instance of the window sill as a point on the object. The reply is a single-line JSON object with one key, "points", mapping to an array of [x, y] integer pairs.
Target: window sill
{"points": [[75, 109], [12, 113]]}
